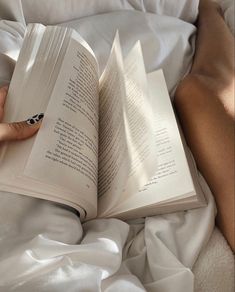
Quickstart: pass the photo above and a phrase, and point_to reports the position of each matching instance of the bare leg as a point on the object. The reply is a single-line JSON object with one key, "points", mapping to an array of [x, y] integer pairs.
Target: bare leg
{"points": [[204, 102]]}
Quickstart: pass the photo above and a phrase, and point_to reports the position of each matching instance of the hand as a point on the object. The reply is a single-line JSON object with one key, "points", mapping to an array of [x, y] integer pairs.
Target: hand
{"points": [[18, 130]]}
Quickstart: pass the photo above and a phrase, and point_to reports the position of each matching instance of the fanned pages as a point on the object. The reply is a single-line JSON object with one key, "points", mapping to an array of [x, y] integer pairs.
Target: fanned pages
{"points": [[107, 146]]}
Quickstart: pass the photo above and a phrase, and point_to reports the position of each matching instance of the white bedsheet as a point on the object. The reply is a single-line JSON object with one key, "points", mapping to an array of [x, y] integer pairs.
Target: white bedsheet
{"points": [[43, 246]]}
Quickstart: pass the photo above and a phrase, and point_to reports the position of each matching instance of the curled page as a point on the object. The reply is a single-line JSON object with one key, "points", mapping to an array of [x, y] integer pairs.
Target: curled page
{"points": [[127, 154], [114, 163]]}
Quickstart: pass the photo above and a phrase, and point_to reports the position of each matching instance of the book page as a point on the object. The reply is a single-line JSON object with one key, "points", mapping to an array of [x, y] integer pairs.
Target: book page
{"points": [[139, 124], [114, 163], [56, 156], [21, 74], [65, 152], [173, 166], [29, 91], [132, 150], [172, 179]]}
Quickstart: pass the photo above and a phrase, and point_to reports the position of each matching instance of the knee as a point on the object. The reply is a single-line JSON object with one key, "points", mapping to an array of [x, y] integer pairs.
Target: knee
{"points": [[191, 92], [197, 91]]}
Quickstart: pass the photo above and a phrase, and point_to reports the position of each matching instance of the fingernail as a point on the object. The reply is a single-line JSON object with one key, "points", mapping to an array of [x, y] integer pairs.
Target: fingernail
{"points": [[35, 119]]}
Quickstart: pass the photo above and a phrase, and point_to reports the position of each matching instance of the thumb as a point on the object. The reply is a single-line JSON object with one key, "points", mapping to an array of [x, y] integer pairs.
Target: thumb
{"points": [[20, 130]]}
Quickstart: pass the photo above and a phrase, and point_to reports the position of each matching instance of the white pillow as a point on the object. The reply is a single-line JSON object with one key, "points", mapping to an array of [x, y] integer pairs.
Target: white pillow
{"points": [[57, 11]]}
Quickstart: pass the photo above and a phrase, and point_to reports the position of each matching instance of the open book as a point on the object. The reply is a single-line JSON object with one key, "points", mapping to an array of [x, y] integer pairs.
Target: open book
{"points": [[108, 146]]}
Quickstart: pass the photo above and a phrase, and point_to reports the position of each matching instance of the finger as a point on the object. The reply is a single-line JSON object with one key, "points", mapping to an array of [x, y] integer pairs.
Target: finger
{"points": [[20, 130], [3, 94]]}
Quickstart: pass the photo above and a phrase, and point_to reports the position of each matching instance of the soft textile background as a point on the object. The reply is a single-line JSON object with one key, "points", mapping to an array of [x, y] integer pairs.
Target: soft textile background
{"points": [[43, 246]]}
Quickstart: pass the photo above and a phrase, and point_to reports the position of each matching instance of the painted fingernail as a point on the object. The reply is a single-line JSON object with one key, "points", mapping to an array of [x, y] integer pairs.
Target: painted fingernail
{"points": [[35, 119]]}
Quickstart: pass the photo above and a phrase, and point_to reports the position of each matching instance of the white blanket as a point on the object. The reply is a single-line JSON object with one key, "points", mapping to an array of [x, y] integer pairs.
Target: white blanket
{"points": [[43, 246]]}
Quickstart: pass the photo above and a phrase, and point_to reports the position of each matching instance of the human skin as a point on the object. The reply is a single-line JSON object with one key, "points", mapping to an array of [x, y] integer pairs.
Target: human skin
{"points": [[204, 101], [14, 131]]}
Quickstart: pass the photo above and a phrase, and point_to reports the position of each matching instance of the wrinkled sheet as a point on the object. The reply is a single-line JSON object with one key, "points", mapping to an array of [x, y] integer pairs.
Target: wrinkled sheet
{"points": [[43, 245]]}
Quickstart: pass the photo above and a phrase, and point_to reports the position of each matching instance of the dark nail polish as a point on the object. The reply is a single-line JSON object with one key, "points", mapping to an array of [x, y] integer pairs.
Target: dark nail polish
{"points": [[35, 119]]}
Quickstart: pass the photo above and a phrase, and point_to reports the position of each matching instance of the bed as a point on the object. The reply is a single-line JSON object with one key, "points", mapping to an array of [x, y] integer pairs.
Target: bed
{"points": [[43, 245]]}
